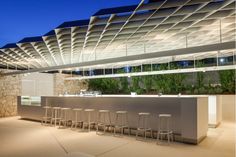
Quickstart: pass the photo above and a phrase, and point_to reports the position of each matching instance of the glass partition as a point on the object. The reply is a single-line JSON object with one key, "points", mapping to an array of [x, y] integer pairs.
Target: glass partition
{"points": [[31, 100]]}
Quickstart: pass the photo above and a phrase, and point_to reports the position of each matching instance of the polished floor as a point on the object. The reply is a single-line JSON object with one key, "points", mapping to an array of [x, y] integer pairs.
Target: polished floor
{"points": [[20, 138]]}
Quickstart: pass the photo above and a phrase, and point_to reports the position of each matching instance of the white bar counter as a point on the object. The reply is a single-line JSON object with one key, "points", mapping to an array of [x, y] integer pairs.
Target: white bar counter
{"points": [[189, 112]]}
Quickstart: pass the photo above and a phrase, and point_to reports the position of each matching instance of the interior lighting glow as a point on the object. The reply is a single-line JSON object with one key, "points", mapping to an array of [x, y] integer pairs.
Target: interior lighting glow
{"points": [[222, 60]]}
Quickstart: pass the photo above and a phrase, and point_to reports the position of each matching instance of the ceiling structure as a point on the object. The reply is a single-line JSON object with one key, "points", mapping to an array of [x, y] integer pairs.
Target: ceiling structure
{"points": [[151, 27]]}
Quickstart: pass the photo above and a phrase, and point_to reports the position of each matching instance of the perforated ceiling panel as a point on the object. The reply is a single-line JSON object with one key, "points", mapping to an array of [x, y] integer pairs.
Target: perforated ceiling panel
{"points": [[149, 27]]}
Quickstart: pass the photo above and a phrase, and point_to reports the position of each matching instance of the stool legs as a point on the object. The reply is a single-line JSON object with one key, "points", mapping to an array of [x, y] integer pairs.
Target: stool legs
{"points": [[47, 118], [74, 123], [143, 120], [89, 121], [164, 128], [123, 124], [64, 117], [77, 121], [55, 115], [103, 116]]}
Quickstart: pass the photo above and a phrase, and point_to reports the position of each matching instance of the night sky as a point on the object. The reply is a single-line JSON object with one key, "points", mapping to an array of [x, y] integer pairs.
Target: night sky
{"points": [[28, 18]]}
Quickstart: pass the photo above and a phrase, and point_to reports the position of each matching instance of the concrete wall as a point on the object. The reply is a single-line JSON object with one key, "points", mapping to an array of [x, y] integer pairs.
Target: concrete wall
{"points": [[215, 110], [228, 107], [37, 84], [42, 84], [221, 108]]}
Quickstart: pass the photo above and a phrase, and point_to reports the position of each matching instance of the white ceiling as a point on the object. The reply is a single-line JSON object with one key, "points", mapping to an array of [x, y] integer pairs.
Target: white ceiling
{"points": [[149, 28]]}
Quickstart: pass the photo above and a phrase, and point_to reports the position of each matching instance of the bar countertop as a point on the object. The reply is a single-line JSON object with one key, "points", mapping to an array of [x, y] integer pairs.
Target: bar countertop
{"points": [[136, 96]]}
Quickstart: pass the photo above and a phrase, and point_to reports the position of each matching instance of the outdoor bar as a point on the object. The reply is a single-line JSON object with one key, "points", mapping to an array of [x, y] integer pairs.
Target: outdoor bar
{"points": [[155, 78], [189, 113]]}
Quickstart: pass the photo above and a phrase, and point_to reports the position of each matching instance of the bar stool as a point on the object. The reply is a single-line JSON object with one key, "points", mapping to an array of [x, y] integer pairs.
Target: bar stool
{"points": [[77, 117], [55, 115], [47, 115], [104, 120], [65, 113], [164, 127], [121, 122], [89, 118], [143, 124]]}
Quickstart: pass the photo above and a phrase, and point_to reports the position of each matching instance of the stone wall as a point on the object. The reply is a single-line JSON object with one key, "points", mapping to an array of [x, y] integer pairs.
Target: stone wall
{"points": [[10, 88], [62, 86]]}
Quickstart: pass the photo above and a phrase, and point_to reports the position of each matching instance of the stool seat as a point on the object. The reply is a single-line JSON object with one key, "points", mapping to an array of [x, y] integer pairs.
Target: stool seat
{"points": [[77, 109], [89, 110], [121, 112], [164, 115], [103, 111], [65, 108], [56, 108], [166, 132], [144, 113], [47, 107]]}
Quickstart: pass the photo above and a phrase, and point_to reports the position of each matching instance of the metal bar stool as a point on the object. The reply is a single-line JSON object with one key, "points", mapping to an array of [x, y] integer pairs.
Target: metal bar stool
{"points": [[89, 118], [65, 113], [164, 127], [77, 118], [143, 124], [55, 115], [104, 120], [121, 122], [47, 115]]}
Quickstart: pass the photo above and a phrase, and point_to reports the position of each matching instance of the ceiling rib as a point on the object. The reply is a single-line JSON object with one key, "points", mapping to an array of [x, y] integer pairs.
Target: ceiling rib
{"points": [[198, 20], [184, 51], [114, 33]]}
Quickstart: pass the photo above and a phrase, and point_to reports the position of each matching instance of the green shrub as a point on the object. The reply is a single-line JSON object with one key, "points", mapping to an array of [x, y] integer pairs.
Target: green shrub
{"points": [[202, 90], [227, 80], [218, 90]]}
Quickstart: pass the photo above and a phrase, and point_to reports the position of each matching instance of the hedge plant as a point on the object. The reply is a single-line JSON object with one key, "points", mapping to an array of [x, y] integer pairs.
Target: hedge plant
{"points": [[166, 83]]}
